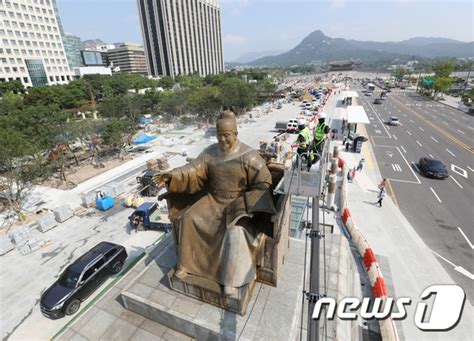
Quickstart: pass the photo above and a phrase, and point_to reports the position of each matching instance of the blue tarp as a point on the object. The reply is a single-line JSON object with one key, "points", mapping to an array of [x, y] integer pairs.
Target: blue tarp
{"points": [[143, 138], [145, 120]]}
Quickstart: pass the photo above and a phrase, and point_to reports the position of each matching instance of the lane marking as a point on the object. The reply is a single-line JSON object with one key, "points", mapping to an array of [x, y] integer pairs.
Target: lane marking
{"points": [[412, 121], [450, 152], [421, 128], [403, 149], [472, 170], [462, 132], [457, 183], [434, 139], [431, 156], [455, 120], [459, 170], [409, 166], [417, 169], [401, 124], [394, 137], [445, 122], [465, 237], [408, 132], [441, 130], [459, 269], [394, 197], [419, 143], [470, 127], [396, 167], [436, 195]]}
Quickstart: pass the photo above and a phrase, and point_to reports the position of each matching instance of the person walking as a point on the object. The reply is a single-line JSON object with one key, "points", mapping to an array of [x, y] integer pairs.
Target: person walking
{"points": [[380, 197], [382, 184], [360, 165], [353, 173], [349, 175]]}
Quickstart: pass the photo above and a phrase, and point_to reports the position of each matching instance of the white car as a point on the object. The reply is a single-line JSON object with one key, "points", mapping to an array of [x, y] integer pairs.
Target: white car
{"points": [[292, 126], [393, 121]]}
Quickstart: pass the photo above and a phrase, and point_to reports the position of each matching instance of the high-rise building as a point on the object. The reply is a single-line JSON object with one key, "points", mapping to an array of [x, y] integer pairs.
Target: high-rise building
{"points": [[73, 47], [182, 36], [128, 58], [31, 43]]}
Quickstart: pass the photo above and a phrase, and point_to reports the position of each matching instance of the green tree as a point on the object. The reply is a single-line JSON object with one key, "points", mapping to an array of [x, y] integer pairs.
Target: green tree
{"points": [[115, 132], [174, 103], [444, 68], [10, 102], [237, 94], [442, 84], [192, 81], [11, 86], [205, 102], [166, 82]]}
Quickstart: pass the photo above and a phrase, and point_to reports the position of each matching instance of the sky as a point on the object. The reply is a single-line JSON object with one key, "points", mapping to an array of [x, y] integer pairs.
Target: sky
{"points": [[261, 25]]}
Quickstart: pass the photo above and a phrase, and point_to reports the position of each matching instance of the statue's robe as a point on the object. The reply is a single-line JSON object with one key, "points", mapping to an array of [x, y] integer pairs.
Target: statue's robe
{"points": [[218, 236]]}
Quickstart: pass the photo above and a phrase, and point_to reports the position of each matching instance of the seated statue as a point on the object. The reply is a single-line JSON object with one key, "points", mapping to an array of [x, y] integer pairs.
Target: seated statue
{"points": [[218, 236]]}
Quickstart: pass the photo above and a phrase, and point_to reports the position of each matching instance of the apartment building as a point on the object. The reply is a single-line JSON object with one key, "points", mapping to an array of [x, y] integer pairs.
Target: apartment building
{"points": [[182, 36], [32, 43]]}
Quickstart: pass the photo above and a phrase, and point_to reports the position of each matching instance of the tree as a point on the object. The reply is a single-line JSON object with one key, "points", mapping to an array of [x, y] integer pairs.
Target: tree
{"points": [[11, 86], [174, 103], [20, 166], [10, 102], [400, 72], [114, 133], [266, 89], [192, 81], [205, 102], [442, 84], [166, 82], [237, 94], [444, 68]]}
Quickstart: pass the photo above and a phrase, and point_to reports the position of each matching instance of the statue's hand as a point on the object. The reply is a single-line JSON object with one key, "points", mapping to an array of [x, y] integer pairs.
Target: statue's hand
{"points": [[162, 179]]}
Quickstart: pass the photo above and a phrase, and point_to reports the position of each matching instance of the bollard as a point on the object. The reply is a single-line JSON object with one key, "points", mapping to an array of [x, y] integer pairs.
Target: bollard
{"points": [[334, 166], [331, 191], [335, 152]]}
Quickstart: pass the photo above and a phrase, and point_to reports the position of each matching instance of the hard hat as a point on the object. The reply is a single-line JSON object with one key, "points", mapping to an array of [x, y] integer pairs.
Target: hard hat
{"points": [[322, 115], [301, 122]]}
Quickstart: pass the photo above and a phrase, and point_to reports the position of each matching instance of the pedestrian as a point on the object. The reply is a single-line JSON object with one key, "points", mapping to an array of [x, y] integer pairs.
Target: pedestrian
{"points": [[382, 184], [349, 175], [353, 173], [360, 165], [381, 196], [347, 146]]}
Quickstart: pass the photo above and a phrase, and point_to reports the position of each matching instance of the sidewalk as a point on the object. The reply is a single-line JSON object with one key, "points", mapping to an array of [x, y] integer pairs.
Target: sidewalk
{"points": [[454, 102], [409, 262]]}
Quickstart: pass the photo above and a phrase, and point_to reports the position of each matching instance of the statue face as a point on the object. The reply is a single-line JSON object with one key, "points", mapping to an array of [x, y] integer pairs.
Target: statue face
{"points": [[227, 139]]}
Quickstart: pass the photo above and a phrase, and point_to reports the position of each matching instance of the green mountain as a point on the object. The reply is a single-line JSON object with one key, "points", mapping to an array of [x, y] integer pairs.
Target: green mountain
{"points": [[317, 47]]}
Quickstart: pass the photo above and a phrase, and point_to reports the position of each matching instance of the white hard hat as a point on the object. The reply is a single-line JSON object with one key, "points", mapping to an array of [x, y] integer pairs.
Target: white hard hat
{"points": [[322, 115], [301, 122]]}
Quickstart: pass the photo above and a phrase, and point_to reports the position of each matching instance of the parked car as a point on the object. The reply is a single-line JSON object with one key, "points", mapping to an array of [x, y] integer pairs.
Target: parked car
{"points": [[81, 279], [281, 126], [393, 121], [433, 168], [292, 126], [368, 93], [377, 101]]}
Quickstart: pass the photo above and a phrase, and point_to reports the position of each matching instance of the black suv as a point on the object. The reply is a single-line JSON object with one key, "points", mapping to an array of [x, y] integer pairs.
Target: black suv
{"points": [[81, 278]]}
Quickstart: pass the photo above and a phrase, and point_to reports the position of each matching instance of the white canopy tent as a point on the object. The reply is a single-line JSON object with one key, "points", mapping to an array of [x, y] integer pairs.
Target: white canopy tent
{"points": [[356, 114], [351, 94]]}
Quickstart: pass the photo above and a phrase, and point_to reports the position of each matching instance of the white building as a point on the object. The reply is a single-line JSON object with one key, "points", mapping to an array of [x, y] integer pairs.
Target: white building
{"points": [[31, 43], [182, 36]]}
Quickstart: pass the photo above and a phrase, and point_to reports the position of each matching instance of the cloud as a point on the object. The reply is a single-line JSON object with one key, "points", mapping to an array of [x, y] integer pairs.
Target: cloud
{"points": [[233, 39]]}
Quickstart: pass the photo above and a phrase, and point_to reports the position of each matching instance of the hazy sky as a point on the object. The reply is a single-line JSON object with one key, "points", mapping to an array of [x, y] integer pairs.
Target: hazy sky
{"points": [[257, 25]]}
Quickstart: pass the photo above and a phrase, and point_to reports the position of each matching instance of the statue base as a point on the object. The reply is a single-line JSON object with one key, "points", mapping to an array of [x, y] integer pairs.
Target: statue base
{"points": [[211, 292], [272, 313]]}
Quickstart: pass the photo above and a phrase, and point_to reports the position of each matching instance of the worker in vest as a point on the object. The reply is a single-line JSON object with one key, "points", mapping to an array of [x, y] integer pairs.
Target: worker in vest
{"points": [[320, 132], [303, 141]]}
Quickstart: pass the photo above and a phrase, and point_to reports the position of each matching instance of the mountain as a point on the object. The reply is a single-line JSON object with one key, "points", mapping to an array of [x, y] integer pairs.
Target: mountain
{"points": [[317, 47], [249, 56]]}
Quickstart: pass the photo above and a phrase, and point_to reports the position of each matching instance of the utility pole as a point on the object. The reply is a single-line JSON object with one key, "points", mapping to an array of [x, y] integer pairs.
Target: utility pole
{"points": [[313, 295]]}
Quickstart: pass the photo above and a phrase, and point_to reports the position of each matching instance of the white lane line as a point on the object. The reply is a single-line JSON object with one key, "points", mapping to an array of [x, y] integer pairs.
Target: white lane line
{"points": [[450, 152], [417, 169], [409, 165], [408, 132], [431, 156], [472, 170], [457, 183], [465, 237], [394, 137], [421, 128], [412, 121], [459, 269], [470, 127], [405, 181], [462, 132], [434, 139], [403, 149], [436, 195], [401, 124], [419, 143], [445, 122], [455, 120]]}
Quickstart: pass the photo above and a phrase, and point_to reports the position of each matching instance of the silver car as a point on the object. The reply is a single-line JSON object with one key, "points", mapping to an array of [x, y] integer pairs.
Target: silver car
{"points": [[393, 121]]}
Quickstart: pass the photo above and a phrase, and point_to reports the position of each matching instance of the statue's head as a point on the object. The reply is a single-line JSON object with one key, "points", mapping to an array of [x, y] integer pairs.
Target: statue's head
{"points": [[226, 126]]}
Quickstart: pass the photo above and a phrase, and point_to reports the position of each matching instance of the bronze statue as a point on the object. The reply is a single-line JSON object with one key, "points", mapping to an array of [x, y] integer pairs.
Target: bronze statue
{"points": [[218, 236]]}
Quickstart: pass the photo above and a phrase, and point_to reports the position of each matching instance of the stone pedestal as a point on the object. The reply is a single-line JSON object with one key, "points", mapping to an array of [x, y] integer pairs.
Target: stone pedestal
{"points": [[272, 313]]}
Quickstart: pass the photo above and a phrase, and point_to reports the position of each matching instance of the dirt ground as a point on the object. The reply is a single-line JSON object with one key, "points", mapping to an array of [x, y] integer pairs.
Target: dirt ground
{"points": [[86, 170]]}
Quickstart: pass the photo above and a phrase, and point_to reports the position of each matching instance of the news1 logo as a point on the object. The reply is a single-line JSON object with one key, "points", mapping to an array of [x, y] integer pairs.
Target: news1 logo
{"points": [[445, 312]]}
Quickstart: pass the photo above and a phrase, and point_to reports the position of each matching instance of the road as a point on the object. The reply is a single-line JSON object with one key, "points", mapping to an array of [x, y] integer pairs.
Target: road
{"points": [[24, 278], [440, 211]]}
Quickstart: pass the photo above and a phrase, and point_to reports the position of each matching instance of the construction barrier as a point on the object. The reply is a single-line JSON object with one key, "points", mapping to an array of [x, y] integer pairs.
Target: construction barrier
{"points": [[377, 283]]}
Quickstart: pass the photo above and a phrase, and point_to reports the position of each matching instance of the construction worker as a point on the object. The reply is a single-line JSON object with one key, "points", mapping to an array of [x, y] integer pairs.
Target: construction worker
{"points": [[320, 132], [303, 141]]}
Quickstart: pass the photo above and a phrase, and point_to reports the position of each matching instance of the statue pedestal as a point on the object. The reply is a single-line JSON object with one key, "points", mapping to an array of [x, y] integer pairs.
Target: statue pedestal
{"points": [[270, 313], [210, 292]]}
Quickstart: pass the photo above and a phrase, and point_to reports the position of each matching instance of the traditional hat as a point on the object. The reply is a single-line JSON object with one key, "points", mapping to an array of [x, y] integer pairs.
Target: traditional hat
{"points": [[226, 121]]}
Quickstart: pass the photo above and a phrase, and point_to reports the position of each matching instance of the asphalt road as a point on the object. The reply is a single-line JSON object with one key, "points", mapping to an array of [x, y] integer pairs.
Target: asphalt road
{"points": [[441, 211]]}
